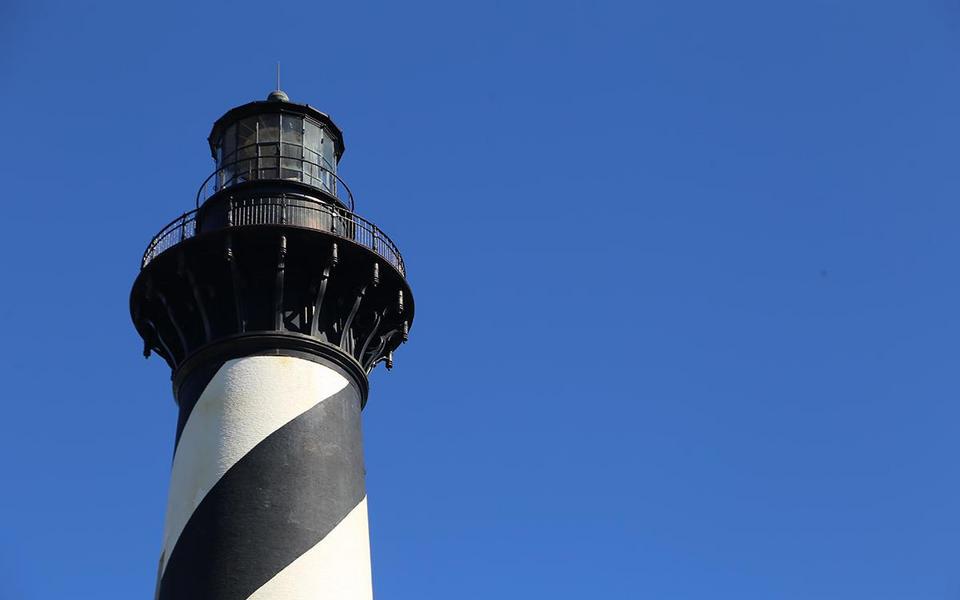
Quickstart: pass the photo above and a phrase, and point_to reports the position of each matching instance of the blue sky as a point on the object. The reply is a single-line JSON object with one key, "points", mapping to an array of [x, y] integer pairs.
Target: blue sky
{"points": [[686, 281]]}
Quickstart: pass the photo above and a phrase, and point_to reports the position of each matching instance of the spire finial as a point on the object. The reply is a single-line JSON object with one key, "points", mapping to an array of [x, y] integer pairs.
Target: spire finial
{"points": [[278, 95]]}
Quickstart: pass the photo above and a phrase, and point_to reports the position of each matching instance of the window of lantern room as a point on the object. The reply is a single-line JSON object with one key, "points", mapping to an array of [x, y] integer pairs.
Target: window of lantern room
{"points": [[246, 157], [227, 157], [277, 146], [312, 163], [319, 164], [328, 160], [291, 147], [268, 146]]}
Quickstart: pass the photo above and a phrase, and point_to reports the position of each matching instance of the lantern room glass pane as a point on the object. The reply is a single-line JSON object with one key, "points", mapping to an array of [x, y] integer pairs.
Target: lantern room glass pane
{"points": [[292, 147], [247, 134], [329, 161], [290, 163], [268, 161], [228, 156], [311, 153], [268, 145], [311, 136], [269, 128], [327, 150], [293, 129], [229, 142]]}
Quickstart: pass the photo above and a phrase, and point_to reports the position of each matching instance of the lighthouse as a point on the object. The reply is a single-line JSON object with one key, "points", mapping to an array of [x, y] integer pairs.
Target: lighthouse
{"points": [[271, 301]]}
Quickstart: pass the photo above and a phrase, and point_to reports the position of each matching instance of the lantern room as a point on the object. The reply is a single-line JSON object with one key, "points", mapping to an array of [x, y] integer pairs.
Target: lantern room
{"points": [[276, 139]]}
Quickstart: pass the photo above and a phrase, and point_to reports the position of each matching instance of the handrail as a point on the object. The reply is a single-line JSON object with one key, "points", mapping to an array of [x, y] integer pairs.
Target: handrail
{"points": [[161, 241], [343, 224], [201, 196]]}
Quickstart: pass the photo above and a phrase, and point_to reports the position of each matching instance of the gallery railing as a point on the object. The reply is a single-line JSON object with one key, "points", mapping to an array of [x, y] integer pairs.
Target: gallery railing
{"points": [[286, 209]]}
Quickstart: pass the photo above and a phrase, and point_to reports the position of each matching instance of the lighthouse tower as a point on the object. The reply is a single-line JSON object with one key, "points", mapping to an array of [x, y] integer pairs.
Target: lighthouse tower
{"points": [[271, 301]]}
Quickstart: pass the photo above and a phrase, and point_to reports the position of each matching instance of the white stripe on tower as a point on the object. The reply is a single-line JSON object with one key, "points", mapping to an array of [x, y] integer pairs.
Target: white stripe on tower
{"points": [[267, 498], [339, 565]]}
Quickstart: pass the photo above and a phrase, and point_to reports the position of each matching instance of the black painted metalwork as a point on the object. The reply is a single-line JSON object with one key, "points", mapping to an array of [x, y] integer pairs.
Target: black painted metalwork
{"points": [[304, 211], [273, 255]]}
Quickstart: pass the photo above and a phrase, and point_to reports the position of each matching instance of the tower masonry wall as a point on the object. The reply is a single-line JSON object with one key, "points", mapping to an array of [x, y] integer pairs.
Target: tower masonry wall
{"points": [[267, 498]]}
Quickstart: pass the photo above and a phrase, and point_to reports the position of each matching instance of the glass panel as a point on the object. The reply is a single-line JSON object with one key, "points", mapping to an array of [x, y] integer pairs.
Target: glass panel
{"points": [[269, 125], [293, 129], [269, 128], [229, 144], [245, 170], [227, 156], [328, 160], [327, 150], [311, 153], [311, 170], [291, 162], [218, 159], [246, 149], [292, 151], [311, 136], [246, 135], [267, 161]]}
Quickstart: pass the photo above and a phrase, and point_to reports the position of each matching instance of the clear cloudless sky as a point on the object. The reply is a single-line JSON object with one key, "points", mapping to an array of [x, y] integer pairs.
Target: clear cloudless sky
{"points": [[687, 278]]}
